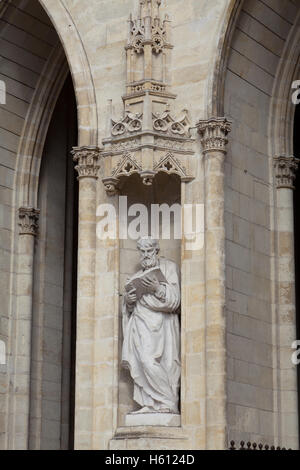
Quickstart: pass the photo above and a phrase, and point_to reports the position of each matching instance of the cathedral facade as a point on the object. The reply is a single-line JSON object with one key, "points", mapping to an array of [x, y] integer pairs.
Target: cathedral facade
{"points": [[116, 107]]}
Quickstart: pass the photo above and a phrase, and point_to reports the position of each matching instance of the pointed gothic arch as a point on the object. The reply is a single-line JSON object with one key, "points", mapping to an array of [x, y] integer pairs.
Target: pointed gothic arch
{"points": [[80, 70]]}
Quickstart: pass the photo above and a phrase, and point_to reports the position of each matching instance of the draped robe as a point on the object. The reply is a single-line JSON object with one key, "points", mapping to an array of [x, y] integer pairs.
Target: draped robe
{"points": [[151, 347]]}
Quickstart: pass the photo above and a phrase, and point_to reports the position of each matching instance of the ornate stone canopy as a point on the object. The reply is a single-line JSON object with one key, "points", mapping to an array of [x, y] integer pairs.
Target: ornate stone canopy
{"points": [[148, 138]]}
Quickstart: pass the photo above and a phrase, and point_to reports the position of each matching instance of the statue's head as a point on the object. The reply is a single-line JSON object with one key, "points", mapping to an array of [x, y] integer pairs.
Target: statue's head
{"points": [[149, 252]]}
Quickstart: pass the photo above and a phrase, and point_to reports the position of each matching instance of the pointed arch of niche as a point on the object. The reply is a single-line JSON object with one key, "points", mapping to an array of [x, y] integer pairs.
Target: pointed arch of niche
{"points": [[80, 69], [217, 76], [36, 127]]}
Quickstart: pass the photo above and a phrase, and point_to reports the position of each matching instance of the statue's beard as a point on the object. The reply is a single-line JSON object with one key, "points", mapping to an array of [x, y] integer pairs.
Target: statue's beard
{"points": [[150, 262]]}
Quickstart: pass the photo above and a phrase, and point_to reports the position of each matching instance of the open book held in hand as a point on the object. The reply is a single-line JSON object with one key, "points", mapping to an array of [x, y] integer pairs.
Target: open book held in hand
{"points": [[136, 282]]}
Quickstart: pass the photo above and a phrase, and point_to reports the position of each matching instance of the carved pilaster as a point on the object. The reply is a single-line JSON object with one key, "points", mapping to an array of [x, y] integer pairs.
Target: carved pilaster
{"points": [[214, 133], [87, 161], [285, 171], [28, 221]]}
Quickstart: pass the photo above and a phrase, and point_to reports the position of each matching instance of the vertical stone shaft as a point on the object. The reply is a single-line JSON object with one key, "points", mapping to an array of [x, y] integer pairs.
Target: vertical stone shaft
{"points": [[87, 160], [214, 140], [28, 222], [285, 172], [129, 68], [148, 60]]}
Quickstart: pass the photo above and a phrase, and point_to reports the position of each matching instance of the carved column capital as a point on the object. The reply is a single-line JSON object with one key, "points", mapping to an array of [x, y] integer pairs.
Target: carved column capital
{"points": [[87, 161], [285, 171], [214, 133], [28, 220]]}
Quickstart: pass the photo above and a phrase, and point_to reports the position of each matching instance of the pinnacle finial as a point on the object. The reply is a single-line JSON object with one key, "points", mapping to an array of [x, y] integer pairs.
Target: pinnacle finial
{"points": [[149, 8]]}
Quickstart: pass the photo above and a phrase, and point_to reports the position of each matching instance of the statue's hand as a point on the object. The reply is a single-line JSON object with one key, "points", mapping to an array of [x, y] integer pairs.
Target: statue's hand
{"points": [[151, 283], [131, 298]]}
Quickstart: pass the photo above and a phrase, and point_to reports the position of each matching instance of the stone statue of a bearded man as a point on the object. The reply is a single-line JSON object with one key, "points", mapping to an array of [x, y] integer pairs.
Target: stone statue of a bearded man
{"points": [[151, 348]]}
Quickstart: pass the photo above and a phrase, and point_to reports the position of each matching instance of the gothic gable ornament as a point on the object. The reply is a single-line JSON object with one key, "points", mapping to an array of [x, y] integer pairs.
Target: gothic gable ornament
{"points": [[149, 131], [127, 166], [129, 124], [172, 165]]}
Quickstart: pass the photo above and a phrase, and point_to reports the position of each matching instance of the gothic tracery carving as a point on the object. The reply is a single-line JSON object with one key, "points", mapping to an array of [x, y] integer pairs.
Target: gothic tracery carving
{"points": [[132, 122], [148, 28], [126, 167], [166, 123], [171, 165]]}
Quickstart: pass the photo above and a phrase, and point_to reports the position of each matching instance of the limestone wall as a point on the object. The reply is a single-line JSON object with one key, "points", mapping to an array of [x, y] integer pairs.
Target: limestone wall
{"points": [[26, 38], [256, 49]]}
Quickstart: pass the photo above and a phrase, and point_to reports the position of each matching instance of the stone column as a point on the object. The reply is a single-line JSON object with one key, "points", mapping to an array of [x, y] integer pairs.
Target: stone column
{"points": [[213, 134], [87, 166], [285, 173], [28, 223]]}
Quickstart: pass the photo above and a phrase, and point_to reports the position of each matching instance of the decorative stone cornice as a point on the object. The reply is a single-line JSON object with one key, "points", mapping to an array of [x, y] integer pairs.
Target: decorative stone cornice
{"points": [[28, 221], [87, 161], [285, 171], [214, 133]]}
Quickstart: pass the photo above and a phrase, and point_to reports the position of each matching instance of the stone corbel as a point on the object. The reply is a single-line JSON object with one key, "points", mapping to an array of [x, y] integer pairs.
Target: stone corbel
{"points": [[147, 177], [285, 171], [28, 221], [214, 133], [87, 161], [111, 185]]}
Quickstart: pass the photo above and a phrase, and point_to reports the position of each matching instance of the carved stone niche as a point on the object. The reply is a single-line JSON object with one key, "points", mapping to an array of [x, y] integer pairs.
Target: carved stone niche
{"points": [[165, 189], [147, 155], [148, 138]]}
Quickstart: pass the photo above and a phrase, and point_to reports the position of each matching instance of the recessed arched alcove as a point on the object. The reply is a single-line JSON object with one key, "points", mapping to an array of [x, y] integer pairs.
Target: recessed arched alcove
{"points": [[55, 280], [38, 129], [165, 190]]}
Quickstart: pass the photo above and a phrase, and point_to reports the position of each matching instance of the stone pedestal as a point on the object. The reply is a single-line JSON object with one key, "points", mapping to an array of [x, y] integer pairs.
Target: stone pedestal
{"points": [[150, 437], [153, 419]]}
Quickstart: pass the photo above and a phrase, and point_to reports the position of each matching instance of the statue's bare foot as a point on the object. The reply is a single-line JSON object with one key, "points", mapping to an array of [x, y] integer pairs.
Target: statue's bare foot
{"points": [[143, 410]]}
